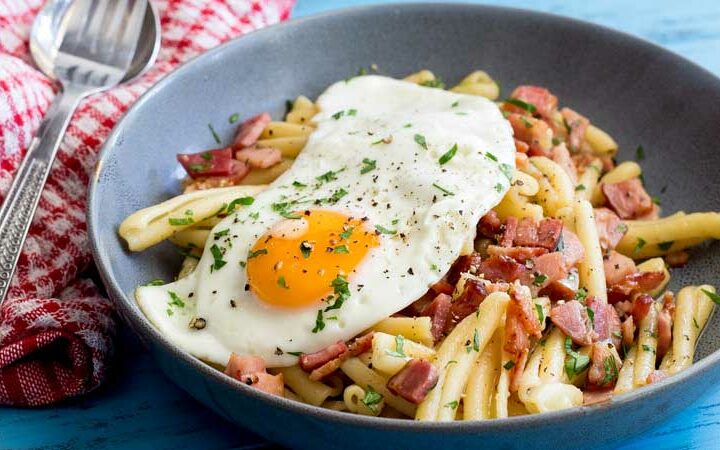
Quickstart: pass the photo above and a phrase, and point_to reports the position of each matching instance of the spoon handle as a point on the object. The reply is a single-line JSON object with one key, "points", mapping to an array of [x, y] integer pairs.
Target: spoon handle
{"points": [[22, 198]]}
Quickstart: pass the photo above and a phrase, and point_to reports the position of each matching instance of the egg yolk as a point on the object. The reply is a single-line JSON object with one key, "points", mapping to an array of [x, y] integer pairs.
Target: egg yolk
{"points": [[294, 264]]}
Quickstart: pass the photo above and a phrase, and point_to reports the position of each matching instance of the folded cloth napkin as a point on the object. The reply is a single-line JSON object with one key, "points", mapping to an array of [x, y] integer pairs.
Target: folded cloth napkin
{"points": [[56, 331]]}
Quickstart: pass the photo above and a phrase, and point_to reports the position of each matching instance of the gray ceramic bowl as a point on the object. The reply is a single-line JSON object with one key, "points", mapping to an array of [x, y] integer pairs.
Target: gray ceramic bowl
{"points": [[638, 92]]}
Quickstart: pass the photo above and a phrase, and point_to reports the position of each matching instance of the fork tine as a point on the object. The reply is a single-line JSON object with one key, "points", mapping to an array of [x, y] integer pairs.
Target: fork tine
{"points": [[76, 22], [126, 44], [114, 28]]}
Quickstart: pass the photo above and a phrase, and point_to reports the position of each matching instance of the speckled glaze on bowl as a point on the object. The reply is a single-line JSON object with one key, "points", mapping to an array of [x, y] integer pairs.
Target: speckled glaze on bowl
{"points": [[638, 92]]}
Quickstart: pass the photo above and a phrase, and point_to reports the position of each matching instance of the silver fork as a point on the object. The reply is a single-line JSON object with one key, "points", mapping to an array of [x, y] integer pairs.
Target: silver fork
{"points": [[99, 41]]}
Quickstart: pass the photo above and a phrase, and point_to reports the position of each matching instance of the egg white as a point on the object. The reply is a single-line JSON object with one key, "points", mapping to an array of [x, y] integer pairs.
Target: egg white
{"points": [[404, 193]]}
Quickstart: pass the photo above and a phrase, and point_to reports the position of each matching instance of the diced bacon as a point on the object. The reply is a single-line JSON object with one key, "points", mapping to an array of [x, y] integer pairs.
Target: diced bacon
{"points": [[561, 156], [664, 325], [615, 326], [519, 254], [677, 259], [610, 228], [578, 125], [501, 268], [544, 234], [510, 229], [652, 214], [534, 132], [464, 264], [517, 338], [259, 158], [605, 320], [544, 102], [552, 266], [311, 361], [497, 287], [521, 160], [518, 369], [490, 225], [617, 267], [414, 381], [249, 131], [439, 312], [564, 289], [572, 249], [443, 287], [572, 318], [521, 304], [657, 376], [526, 233], [628, 331], [640, 306], [238, 171], [521, 147], [361, 344], [474, 292], [272, 384], [633, 283], [627, 198], [596, 396], [238, 366], [328, 368], [210, 163], [623, 308], [605, 364]]}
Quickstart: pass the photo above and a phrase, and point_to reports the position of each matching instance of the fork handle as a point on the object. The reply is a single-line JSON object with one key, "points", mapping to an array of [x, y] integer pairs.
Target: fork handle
{"points": [[18, 209]]}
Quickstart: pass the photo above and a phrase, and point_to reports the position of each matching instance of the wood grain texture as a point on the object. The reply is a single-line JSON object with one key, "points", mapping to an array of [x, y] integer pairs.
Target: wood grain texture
{"points": [[139, 408]]}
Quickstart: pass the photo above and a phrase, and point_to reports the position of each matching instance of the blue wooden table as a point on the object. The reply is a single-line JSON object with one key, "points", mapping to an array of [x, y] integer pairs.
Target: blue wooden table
{"points": [[139, 408]]}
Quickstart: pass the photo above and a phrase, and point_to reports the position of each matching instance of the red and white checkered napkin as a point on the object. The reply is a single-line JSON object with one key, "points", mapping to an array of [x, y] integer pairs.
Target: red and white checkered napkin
{"points": [[56, 331]]}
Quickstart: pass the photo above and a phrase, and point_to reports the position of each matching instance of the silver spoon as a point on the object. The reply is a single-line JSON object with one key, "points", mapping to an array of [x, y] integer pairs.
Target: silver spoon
{"points": [[87, 46]]}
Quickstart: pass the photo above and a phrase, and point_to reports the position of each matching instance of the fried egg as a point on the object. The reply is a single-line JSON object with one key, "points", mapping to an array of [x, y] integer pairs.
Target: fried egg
{"points": [[382, 200]]}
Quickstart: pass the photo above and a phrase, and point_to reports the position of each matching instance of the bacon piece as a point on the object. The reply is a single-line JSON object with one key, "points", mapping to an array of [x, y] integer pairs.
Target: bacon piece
{"points": [[519, 254], [664, 325], [238, 366], [657, 376], [544, 102], [414, 381], [443, 286], [564, 289], [594, 397], [640, 306], [518, 369], [467, 302], [526, 234], [501, 268], [572, 249], [532, 131], [464, 264], [545, 234], [521, 160], [328, 368], [677, 259], [617, 267], [439, 312], [610, 228], [517, 338], [572, 318], [653, 214], [311, 361], [634, 283], [521, 147], [578, 125], [615, 325], [561, 156], [605, 320], [210, 163], [605, 364], [510, 229], [552, 266], [361, 344], [238, 170], [249, 131], [272, 384], [522, 304], [490, 225], [627, 198], [259, 158], [628, 331]]}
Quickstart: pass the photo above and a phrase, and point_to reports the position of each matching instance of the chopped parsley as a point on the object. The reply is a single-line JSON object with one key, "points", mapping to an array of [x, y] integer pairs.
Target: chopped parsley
{"points": [[442, 189], [656, 200], [347, 233], [591, 316], [234, 118], [337, 195], [282, 283], [509, 365], [381, 229], [455, 104], [579, 187], [640, 244], [611, 370], [490, 156], [695, 324], [283, 209], [399, 347], [371, 399], [639, 153], [244, 201], [540, 312], [214, 135], [330, 175], [368, 165], [319, 322], [444, 159], [253, 254], [476, 341], [712, 296], [255, 215], [575, 362], [306, 249], [294, 353], [581, 295], [435, 83], [665, 245], [647, 348], [507, 170], [338, 115], [341, 249], [452, 405], [187, 220], [556, 141], [341, 292], [298, 184], [385, 140], [420, 140], [222, 233], [155, 282], [217, 254], [529, 107], [539, 279], [499, 187], [176, 301]]}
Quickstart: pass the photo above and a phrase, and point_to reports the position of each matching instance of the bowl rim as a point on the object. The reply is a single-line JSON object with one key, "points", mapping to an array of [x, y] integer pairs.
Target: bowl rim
{"points": [[147, 331]]}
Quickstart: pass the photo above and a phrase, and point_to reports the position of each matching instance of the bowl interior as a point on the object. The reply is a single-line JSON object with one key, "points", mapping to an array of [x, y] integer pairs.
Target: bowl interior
{"points": [[640, 94]]}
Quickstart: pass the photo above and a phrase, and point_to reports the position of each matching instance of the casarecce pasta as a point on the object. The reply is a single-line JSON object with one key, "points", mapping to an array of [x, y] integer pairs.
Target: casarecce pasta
{"points": [[559, 302]]}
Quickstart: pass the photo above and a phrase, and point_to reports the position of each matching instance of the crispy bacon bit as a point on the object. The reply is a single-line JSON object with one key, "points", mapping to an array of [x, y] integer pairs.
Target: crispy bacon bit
{"points": [[628, 331], [610, 228], [617, 267], [250, 130], [544, 234], [328, 368], [443, 287], [259, 158], [605, 320], [272, 384], [467, 302], [490, 225], [533, 132], [501, 268], [564, 289], [628, 198], [544, 102], [526, 234], [677, 259], [577, 124], [640, 306], [361, 344], [210, 163], [551, 266], [311, 361], [521, 147], [572, 318], [521, 300], [517, 338], [664, 324], [251, 371], [561, 156], [439, 312], [572, 249], [656, 376], [594, 397], [414, 381], [605, 364], [519, 254], [634, 283], [509, 232], [464, 264], [518, 369]]}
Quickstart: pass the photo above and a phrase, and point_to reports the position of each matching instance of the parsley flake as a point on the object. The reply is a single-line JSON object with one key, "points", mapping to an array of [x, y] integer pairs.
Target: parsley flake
{"points": [[345, 235], [256, 253], [444, 159], [442, 189], [368, 166], [712, 296], [665, 245], [234, 118], [529, 107], [639, 153], [640, 244], [381, 229], [282, 283], [306, 249], [319, 322], [420, 140], [214, 135], [155, 282], [452, 405], [399, 347], [509, 365], [371, 399], [341, 249], [217, 254], [575, 362]]}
